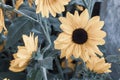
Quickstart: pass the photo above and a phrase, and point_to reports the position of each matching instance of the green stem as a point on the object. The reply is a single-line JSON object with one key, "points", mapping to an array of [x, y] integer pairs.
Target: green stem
{"points": [[59, 68], [48, 35], [88, 6], [44, 72], [13, 3], [85, 4], [45, 33], [19, 12], [91, 7], [40, 22]]}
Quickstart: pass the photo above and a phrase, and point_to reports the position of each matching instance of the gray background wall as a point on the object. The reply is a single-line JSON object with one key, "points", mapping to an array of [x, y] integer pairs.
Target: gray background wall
{"points": [[110, 13]]}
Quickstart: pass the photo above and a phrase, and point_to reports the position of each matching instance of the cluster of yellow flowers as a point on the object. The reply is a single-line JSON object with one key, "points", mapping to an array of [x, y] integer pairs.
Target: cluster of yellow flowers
{"points": [[24, 54], [80, 37]]}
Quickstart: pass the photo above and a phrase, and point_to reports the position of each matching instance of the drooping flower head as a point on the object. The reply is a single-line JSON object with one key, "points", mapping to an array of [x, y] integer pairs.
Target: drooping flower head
{"points": [[50, 6], [98, 65], [24, 54], [80, 35]]}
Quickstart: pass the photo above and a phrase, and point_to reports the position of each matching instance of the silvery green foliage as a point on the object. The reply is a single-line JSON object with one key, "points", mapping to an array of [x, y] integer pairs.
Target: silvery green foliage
{"points": [[110, 11]]}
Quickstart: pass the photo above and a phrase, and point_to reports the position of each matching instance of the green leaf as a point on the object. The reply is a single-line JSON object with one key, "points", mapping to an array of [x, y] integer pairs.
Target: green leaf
{"points": [[31, 75], [20, 26], [30, 11], [55, 23], [46, 63], [39, 75], [35, 75], [7, 7]]}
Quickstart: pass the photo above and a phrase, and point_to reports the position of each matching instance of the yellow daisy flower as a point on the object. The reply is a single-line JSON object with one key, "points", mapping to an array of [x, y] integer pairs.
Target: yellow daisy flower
{"points": [[2, 24], [80, 35], [50, 6], [98, 65], [24, 54], [30, 42]]}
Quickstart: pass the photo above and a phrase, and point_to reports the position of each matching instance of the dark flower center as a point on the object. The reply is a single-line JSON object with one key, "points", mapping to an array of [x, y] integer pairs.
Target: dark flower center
{"points": [[79, 36]]}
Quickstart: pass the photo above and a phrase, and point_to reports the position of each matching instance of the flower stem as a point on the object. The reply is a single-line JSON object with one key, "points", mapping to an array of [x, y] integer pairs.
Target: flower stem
{"points": [[85, 4], [44, 72], [45, 33], [19, 12], [59, 68], [48, 36], [13, 3]]}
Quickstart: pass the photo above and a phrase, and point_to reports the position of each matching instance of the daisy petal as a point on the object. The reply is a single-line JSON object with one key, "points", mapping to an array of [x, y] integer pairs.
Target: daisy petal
{"points": [[77, 51], [92, 21], [62, 41], [96, 26], [66, 28], [69, 51], [84, 16]]}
